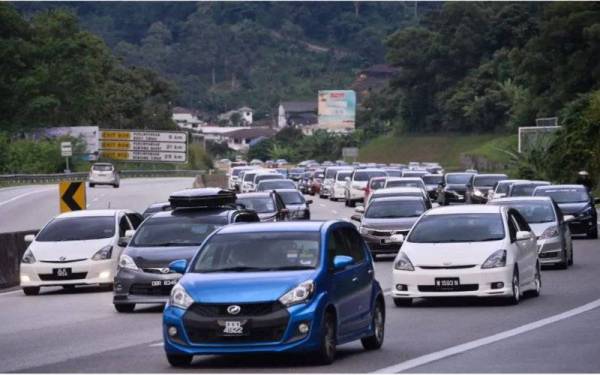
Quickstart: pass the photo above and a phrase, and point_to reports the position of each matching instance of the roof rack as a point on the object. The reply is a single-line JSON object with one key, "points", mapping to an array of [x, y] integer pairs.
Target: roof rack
{"points": [[203, 197]]}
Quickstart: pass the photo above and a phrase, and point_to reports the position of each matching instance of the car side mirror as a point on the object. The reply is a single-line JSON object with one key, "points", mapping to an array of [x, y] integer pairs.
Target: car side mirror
{"points": [[395, 239], [568, 218], [29, 237], [129, 233], [356, 217], [523, 236], [178, 266], [342, 261], [360, 209]]}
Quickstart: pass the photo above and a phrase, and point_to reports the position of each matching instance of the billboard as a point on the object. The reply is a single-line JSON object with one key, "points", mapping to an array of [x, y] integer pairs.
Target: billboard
{"points": [[142, 145], [337, 109], [88, 133]]}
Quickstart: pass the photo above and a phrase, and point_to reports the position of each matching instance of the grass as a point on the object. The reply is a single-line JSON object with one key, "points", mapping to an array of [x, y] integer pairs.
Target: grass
{"points": [[445, 149]]}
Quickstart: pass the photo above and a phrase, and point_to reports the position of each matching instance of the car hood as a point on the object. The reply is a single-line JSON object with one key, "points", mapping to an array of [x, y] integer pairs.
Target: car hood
{"points": [[389, 224], [450, 254], [572, 208], [70, 250], [539, 228], [160, 257], [242, 287]]}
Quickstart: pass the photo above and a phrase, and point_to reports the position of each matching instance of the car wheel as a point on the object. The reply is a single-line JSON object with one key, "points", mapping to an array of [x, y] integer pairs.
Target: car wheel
{"points": [[374, 342], [515, 298], [327, 349], [124, 307], [31, 290], [564, 263], [179, 360], [403, 302], [571, 257], [593, 234], [538, 282], [92, 185], [116, 186], [351, 203]]}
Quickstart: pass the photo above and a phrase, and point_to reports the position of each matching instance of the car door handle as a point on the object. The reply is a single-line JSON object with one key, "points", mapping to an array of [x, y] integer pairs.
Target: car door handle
{"points": [[355, 279]]}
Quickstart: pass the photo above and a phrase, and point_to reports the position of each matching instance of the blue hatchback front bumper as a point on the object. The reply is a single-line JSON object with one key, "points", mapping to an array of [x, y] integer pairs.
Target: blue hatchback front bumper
{"points": [[292, 340]]}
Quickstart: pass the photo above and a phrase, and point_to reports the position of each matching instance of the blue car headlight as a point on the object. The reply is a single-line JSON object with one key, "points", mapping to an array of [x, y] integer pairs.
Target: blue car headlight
{"points": [[180, 298], [300, 294]]}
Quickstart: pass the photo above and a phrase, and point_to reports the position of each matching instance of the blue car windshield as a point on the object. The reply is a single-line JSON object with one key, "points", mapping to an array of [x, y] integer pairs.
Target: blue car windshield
{"points": [[258, 252]]}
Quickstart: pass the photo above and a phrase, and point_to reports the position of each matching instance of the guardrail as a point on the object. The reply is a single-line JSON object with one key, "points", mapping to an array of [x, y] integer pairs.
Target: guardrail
{"points": [[19, 179], [11, 252]]}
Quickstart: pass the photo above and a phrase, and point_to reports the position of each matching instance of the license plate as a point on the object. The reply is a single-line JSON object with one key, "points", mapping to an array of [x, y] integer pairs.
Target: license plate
{"points": [[233, 327], [62, 272], [447, 283], [163, 282]]}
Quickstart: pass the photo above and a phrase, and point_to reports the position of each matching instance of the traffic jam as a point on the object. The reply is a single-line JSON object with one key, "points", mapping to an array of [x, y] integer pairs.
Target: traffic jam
{"points": [[243, 269]]}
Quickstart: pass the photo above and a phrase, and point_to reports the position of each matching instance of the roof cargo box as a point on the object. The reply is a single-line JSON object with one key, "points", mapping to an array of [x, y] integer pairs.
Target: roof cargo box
{"points": [[204, 197]]}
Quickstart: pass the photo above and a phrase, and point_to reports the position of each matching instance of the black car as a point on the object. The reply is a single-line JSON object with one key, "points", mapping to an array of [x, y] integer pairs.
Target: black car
{"points": [[296, 173], [574, 200], [432, 183], [156, 207], [268, 205], [143, 275], [298, 207], [483, 184], [454, 188]]}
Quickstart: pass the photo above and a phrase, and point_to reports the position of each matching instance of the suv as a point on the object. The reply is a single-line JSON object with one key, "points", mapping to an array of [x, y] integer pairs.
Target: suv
{"points": [[143, 274], [268, 205], [329, 179], [455, 188], [103, 174], [357, 183]]}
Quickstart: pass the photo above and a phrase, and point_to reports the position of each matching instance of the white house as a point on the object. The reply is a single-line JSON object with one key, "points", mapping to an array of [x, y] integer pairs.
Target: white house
{"points": [[187, 118], [297, 113], [245, 113]]}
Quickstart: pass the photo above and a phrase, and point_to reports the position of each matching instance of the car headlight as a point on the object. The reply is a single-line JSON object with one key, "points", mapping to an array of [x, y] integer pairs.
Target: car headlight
{"points": [[586, 212], [363, 230], [299, 294], [497, 259], [550, 232], [28, 257], [125, 261], [478, 193], [402, 263], [180, 298], [102, 254]]}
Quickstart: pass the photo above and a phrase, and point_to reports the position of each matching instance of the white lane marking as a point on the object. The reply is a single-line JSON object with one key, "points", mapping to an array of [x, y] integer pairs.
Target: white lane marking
{"points": [[334, 212], [95, 199], [436, 356], [11, 292], [156, 344], [321, 204], [22, 196]]}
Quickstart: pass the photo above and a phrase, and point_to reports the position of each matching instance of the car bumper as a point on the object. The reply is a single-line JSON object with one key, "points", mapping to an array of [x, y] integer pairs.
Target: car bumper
{"points": [[454, 197], [86, 272], [356, 194], [325, 191], [291, 341], [141, 287], [418, 282], [582, 225], [550, 251], [103, 181], [337, 193]]}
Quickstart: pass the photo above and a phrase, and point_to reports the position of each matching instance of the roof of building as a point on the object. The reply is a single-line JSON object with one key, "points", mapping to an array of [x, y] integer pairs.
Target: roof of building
{"points": [[252, 133], [300, 106]]}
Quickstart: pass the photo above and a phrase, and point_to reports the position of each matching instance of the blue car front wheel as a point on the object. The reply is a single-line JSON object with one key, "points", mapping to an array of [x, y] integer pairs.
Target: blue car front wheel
{"points": [[376, 340], [327, 348], [179, 360]]}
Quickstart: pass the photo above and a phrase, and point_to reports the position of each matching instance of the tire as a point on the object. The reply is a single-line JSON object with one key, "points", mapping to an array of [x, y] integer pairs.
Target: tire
{"points": [[351, 203], [564, 264], [346, 203], [92, 185], [571, 257], [538, 283], [403, 302], [179, 360], [326, 353], [107, 286], [376, 341], [31, 290], [593, 234], [516, 289], [116, 186], [124, 307]]}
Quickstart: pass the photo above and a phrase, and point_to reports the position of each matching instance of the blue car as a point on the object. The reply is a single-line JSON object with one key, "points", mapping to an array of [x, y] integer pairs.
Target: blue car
{"points": [[275, 287]]}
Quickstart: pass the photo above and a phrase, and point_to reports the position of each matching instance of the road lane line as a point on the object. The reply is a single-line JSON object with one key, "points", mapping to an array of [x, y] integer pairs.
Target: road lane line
{"points": [[22, 196], [436, 356], [321, 204], [156, 344]]}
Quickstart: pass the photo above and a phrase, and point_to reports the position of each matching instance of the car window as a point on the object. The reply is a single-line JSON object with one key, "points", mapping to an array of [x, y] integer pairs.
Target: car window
{"points": [[181, 230], [124, 225], [336, 245], [521, 222], [246, 218], [135, 219], [460, 227], [259, 204], [512, 228], [354, 243]]}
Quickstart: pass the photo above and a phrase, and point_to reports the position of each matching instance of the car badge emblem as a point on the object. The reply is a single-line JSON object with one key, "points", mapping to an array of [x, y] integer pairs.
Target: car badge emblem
{"points": [[165, 270], [234, 309], [62, 259]]}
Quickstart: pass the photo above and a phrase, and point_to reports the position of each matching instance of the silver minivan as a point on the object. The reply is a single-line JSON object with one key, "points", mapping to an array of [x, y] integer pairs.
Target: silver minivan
{"points": [[103, 174]]}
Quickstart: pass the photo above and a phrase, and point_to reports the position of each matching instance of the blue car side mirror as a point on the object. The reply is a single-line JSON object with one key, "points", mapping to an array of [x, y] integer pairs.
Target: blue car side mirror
{"points": [[178, 266], [342, 261]]}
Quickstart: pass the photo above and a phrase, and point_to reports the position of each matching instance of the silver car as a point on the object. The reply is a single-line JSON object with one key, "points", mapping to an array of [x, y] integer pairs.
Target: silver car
{"points": [[103, 174], [545, 218]]}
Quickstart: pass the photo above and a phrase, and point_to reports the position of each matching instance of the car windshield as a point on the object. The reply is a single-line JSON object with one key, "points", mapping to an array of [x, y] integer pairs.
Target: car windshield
{"points": [[184, 230], [249, 177], [503, 187], [413, 174], [391, 184], [365, 176], [534, 212], [522, 190], [394, 209], [377, 183], [458, 228], [236, 172], [259, 204], [458, 179], [291, 197], [570, 195], [78, 229], [267, 177], [487, 180], [394, 172], [102, 167], [331, 173], [433, 180], [270, 185], [259, 252], [319, 175], [341, 176]]}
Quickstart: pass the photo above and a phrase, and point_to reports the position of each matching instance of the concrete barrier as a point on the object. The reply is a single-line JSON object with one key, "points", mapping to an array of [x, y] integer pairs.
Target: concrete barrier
{"points": [[12, 247], [210, 180]]}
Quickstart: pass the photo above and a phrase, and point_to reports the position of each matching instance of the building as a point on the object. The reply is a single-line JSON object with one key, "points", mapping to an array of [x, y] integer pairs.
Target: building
{"points": [[189, 119], [244, 116], [240, 140], [297, 113]]}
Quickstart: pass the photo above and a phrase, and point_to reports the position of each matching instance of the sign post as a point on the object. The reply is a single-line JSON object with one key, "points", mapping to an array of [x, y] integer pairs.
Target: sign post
{"points": [[71, 196], [138, 145], [66, 151]]}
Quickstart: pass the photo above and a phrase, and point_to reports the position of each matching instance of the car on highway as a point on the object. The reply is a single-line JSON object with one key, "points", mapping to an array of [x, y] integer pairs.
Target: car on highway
{"points": [[143, 275], [296, 174], [555, 246], [374, 184], [314, 186], [329, 179], [103, 174], [303, 287], [267, 204], [268, 185], [455, 187], [156, 207], [524, 189], [414, 173], [357, 182], [574, 200], [392, 182], [467, 250], [266, 175], [393, 172], [297, 206], [501, 188], [76, 248], [247, 180], [388, 216], [234, 174], [432, 184], [339, 184], [482, 185], [398, 192]]}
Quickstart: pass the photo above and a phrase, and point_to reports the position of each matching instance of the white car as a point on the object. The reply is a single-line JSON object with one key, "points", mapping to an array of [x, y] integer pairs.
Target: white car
{"points": [[357, 183], [339, 185], [75, 248], [329, 179], [469, 250], [103, 174], [234, 174], [501, 188]]}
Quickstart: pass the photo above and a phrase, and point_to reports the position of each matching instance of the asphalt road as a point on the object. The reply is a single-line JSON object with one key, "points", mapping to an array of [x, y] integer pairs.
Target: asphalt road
{"points": [[79, 331]]}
